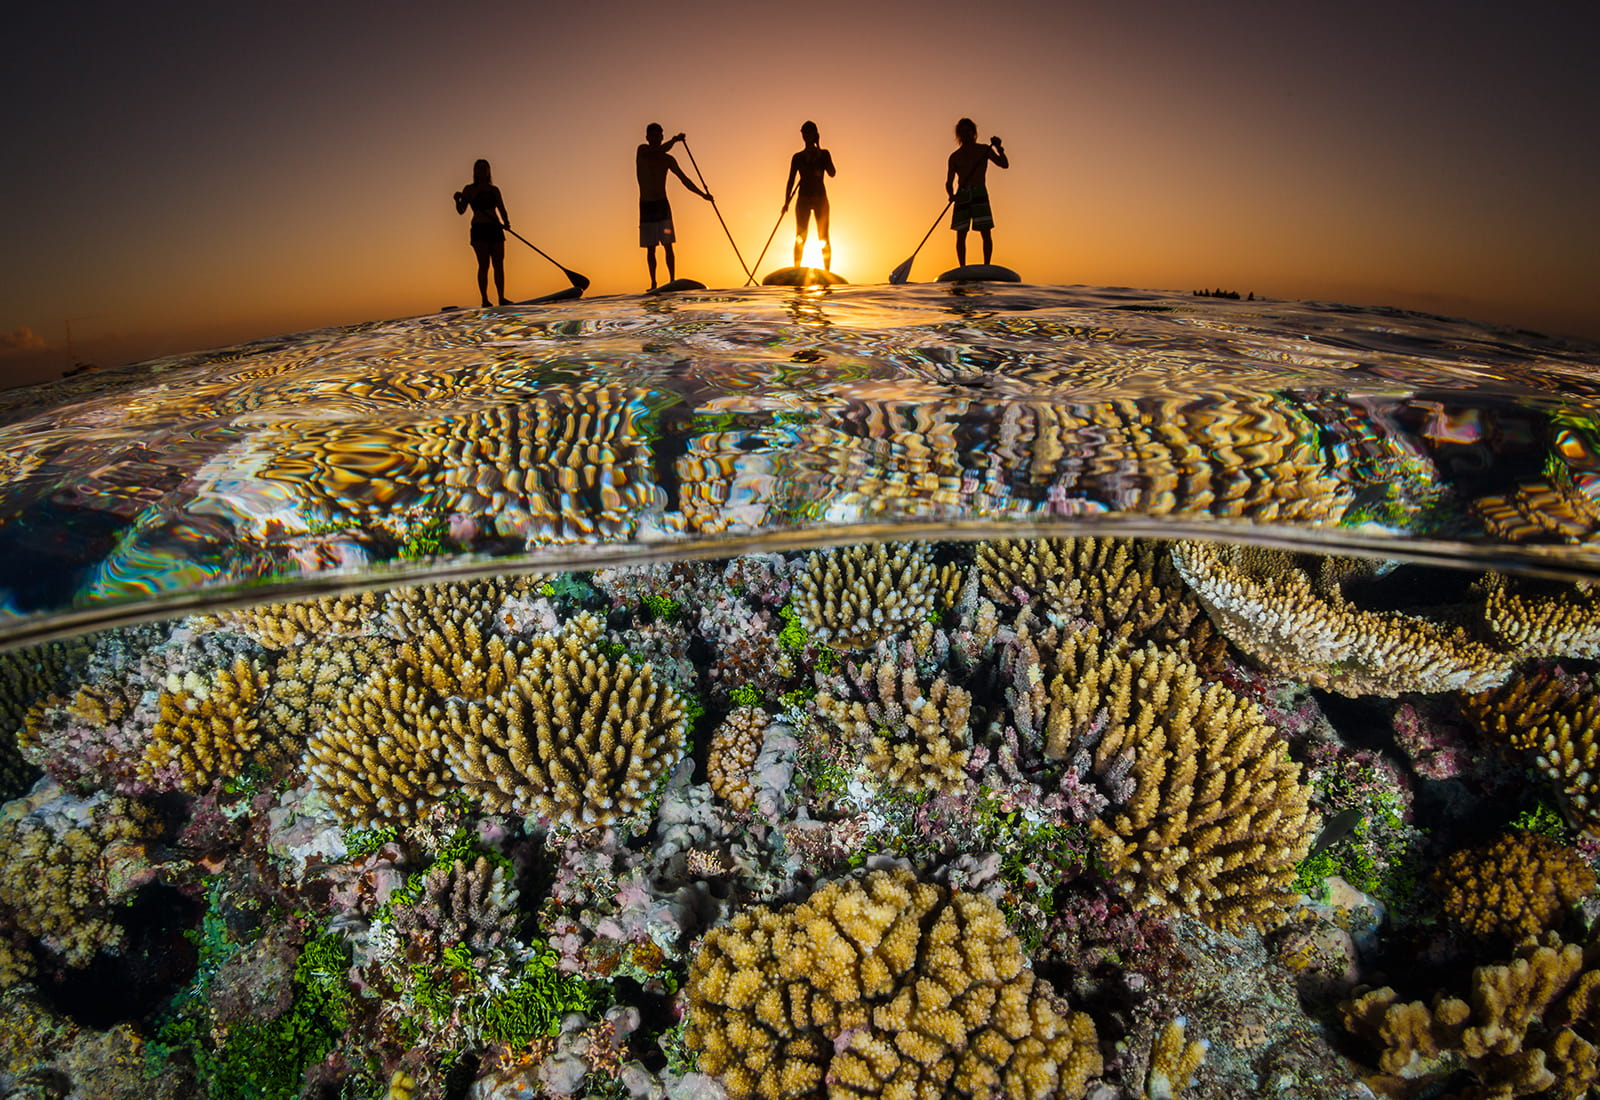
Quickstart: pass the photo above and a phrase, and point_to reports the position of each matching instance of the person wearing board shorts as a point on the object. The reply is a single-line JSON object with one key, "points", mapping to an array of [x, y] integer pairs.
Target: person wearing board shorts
{"points": [[966, 187], [651, 165]]}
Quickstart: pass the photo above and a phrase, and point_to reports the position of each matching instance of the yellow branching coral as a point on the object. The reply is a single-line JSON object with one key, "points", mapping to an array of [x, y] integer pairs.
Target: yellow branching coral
{"points": [[1557, 720], [1173, 1061], [308, 682], [53, 857], [415, 610], [456, 660], [1526, 1028], [281, 625], [16, 965], [207, 729], [855, 597], [575, 736], [1215, 820], [882, 986], [26, 675], [917, 736], [732, 755], [1127, 587], [1300, 625], [1559, 621], [1518, 885]]}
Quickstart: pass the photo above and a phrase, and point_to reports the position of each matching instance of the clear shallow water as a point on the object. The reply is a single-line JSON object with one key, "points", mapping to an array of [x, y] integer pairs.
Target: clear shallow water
{"points": [[669, 424], [1201, 766]]}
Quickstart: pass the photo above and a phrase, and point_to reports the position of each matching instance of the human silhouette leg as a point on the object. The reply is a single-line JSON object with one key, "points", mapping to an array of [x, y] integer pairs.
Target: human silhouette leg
{"points": [[961, 248], [988, 245], [650, 262], [483, 272], [824, 237], [499, 258], [672, 262]]}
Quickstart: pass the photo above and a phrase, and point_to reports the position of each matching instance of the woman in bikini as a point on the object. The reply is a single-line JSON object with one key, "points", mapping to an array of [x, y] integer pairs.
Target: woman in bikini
{"points": [[489, 223]]}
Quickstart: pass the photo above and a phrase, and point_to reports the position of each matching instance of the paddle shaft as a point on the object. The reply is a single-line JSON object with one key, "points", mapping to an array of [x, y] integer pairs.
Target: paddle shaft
{"points": [[905, 269], [773, 234], [579, 281], [724, 224]]}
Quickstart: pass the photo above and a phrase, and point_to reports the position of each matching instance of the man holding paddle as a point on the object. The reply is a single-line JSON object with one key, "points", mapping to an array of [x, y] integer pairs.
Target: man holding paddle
{"points": [[651, 164], [966, 185]]}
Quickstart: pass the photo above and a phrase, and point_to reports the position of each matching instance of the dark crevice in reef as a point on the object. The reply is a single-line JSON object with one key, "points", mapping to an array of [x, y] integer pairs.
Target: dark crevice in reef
{"points": [[134, 985]]}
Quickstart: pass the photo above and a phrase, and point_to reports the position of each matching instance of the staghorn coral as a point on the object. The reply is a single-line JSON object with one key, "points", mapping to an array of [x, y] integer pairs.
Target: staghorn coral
{"points": [[1518, 885], [1526, 1028], [1173, 1062], [206, 731], [377, 757], [881, 986], [917, 735], [575, 736], [1216, 817], [1556, 718], [282, 625], [732, 755], [854, 597], [54, 855], [1126, 587], [1300, 625]]}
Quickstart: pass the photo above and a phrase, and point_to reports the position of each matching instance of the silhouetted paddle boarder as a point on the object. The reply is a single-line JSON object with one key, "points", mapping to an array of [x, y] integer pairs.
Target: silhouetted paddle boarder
{"points": [[811, 201], [489, 223], [965, 184], [652, 163]]}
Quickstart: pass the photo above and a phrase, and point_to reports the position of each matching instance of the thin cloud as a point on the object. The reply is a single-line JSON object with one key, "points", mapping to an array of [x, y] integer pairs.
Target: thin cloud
{"points": [[21, 339]]}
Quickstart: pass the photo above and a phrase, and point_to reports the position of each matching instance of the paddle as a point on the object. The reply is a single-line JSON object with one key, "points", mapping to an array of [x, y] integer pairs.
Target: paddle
{"points": [[579, 281], [774, 233], [903, 272], [707, 190]]}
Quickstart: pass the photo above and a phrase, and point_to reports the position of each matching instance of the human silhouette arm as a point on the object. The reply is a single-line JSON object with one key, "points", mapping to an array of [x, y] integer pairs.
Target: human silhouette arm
{"points": [[788, 184], [461, 202], [997, 153], [950, 179], [673, 140], [687, 182], [829, 157]]}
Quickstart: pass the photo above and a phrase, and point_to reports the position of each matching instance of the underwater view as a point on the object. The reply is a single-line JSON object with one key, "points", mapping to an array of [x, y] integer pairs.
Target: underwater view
{"points": [[980, 691]]}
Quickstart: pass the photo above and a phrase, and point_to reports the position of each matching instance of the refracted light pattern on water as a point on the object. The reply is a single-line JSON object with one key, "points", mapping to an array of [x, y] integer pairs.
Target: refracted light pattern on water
{"points": [[775, 413]]}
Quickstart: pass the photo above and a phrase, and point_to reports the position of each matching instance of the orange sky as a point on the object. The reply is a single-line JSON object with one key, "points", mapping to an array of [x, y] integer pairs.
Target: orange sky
{"points": [[193, 174]]}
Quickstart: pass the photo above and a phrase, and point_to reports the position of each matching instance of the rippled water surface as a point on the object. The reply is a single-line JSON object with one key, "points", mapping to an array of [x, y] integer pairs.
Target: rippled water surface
{"points": [[667, 423]]}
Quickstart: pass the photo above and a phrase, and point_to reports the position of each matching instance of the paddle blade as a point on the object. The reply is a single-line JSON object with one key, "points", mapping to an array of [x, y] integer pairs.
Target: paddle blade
{"points": [[901, 273], [579, 281]]}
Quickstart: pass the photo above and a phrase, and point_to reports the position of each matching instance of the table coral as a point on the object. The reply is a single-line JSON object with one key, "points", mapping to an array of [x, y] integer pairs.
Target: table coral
{"points": [[881, 986], [1216, 819], [576, 736], [1300, 625], [855, 597], [1545, 620], [1518, 885], [1527, 1027]]}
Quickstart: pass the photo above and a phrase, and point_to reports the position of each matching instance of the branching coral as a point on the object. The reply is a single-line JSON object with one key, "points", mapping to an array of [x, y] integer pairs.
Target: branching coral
{"points": [[1563, 622], [854, 597], [1556, 718], [732, 755], [1215, 821], [1526, 1026], [575, 736], [54, 851], [207, 730], [1301, 625], [1518, 885], [1173, 1061], [281, 625], [1126, 587], [309, 681], [415, 610], [881, 987], [917, 735], [26, 675], [471, 905]]}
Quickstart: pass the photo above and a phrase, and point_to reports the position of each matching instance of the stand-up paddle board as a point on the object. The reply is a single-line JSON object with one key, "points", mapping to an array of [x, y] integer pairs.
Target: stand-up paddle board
{"points": [[802, 276], [980, 273], [676, 285], [566, 295]]}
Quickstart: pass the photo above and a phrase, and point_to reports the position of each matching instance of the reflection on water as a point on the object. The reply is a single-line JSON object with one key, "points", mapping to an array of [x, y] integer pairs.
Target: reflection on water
{"points": [[702, 828], [672, 423]]}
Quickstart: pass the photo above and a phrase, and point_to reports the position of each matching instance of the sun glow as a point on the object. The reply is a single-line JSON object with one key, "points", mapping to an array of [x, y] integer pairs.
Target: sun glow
{"points": [[811, 255]]}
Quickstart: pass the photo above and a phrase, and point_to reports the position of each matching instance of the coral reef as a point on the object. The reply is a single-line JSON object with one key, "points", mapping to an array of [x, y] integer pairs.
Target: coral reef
{"points": [[26, 675], [55, 857], [1518, 885], [576, 736], [1555, 717], [1536, 621], [307, 684], [1301, 626], [731, 758], [876, 982], [854, 597], [1215, 820], [282, 625], [206, 731], [460, 904], [1526, 1026], [917, 735], [1173, 1061]]}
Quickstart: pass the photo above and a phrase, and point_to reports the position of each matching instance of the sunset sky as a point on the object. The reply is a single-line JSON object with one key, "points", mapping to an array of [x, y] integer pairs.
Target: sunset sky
{"points": [[184, 175]]}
